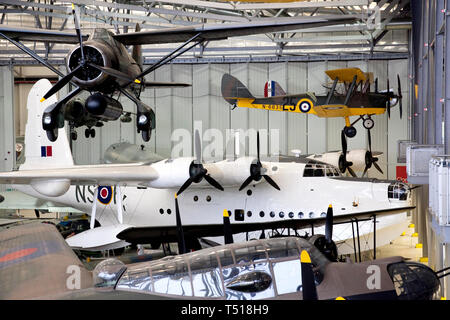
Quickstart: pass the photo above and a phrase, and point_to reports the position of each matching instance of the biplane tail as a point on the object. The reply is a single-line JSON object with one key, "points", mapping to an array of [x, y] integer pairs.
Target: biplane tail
{"points": [[232, 89], [273, 89]]}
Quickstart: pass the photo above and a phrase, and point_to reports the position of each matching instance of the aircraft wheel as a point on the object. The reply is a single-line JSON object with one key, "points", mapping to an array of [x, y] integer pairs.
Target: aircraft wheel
{"points": [[350, 131], [368, 123], [52, 135], [73, 135], [87, 133], [146, 135], [92, 133]]}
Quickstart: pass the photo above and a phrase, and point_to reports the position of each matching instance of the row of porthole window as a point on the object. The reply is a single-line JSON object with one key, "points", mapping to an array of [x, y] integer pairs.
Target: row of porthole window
{"points": [[291, 215], [262, 214]]}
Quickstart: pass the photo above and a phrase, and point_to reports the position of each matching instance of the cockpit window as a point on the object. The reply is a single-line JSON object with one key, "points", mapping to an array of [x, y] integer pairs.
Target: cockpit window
{"points": [[316, 169], [398, 191]]}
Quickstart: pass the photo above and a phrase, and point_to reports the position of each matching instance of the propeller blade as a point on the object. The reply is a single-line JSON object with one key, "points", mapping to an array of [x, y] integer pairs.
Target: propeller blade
{"points": [[378, 167], [365, 171], [351, 171], [370, 141], [388, 103], [257, 144], [198, 147], [400, 97], [185, 185], [271, 182], [113, 72], [61, 83], [376, 85], [36, 212], [180, 233], [246, 183], [228, 235], [76, 20], [213, 182], [344, 144], [308, 283], [329, 224]]}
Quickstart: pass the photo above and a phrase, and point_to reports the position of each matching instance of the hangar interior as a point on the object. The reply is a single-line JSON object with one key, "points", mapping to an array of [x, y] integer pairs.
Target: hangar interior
{"points": [[391, 39]]}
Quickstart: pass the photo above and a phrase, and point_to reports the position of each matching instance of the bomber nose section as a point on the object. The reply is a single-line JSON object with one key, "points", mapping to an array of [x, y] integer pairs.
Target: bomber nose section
{"points": [[398, 191]]}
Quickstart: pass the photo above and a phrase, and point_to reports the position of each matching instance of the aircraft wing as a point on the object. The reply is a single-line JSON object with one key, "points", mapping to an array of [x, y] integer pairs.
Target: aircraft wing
{"points": [[79, 175], [224, 31], [169, 233], [35, 261], [332, 110], [40, 35]]}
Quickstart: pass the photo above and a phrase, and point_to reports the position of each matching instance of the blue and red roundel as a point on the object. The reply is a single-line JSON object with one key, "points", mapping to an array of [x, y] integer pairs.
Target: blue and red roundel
{"points": [[105, 194]]}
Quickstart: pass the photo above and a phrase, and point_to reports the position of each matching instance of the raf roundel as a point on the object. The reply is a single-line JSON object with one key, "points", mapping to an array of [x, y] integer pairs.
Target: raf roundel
{"points": [[305, 105], [105, 194]]}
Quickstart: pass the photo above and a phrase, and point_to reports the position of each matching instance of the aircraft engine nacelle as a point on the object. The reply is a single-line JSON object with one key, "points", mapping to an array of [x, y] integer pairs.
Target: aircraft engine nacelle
{"points": [[103, 107], [51, 188], [73, 110], [231, 173], [358, 158], [96, 53], [172, 173]]}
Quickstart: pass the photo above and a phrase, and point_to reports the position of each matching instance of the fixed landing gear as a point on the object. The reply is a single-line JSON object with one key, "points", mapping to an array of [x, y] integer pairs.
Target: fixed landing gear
{"points": [[368, 123], [350, 132], [89, 133]]}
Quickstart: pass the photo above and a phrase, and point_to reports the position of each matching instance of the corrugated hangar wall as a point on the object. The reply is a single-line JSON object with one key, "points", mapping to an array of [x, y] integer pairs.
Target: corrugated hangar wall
{"points": [[180, 108]]}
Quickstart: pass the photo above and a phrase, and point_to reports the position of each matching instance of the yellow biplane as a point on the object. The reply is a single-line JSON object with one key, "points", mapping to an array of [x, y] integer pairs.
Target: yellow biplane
{"points": [[353, 99]]}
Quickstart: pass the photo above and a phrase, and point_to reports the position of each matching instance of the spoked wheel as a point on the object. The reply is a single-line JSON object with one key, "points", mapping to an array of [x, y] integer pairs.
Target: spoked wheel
{"points": [[368, 123], [52, 135], [350, 132]]}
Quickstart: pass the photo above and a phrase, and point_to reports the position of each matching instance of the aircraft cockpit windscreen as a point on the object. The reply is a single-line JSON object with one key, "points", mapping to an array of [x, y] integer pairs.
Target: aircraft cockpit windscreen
{"points": [[103, 34], [319, 169], [252, 270]]}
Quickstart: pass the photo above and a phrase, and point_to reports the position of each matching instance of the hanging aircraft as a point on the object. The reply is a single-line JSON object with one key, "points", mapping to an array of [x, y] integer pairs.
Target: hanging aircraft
{"points": [[101, 65], [134, 203], [278, 268], [354, 99]]}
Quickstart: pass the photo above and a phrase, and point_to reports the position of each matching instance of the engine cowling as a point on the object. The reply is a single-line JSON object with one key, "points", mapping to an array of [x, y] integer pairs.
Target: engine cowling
{"points": [[103, 107], [96, 53], [231, 173], [172, 173]]}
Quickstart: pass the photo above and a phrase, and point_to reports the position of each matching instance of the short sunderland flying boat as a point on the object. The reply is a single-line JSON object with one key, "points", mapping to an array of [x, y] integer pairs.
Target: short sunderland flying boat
{"points": [[134, 203]]}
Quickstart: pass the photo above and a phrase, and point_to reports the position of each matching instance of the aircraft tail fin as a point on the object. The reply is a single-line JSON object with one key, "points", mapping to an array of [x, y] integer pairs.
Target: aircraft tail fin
{"points": [[232, 89], [136, 54], [40, 152], [273, 89]]}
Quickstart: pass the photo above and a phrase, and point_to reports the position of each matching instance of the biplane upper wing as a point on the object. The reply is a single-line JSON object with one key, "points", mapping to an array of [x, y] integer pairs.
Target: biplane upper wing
{"points": [[347, 75]]}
